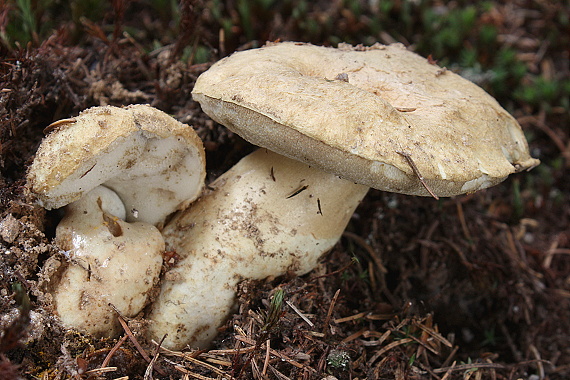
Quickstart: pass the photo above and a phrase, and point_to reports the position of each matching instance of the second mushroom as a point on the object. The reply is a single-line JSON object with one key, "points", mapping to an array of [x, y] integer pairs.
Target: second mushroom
{"points": [[120, 172]]}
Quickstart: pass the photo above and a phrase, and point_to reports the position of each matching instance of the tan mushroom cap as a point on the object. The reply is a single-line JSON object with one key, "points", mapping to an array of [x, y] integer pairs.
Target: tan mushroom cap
{"points": [[153, 162], [380, 116]]}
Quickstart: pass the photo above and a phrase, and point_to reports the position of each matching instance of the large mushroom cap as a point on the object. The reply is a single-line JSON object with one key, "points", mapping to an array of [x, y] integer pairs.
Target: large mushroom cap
{"points": [[153, 162], [380, 116]]}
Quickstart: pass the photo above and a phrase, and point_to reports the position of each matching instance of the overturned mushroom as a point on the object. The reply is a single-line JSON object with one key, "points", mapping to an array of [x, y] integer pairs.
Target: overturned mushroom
{"points": [[117, 165], [153, 162], [381, 117]]}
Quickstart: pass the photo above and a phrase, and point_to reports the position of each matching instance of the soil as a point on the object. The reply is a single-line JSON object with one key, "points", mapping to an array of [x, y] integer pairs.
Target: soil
{"points": [[471, 287]]}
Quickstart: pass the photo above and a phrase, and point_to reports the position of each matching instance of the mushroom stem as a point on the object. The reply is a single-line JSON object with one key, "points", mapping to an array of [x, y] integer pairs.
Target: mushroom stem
{"points": [[267, 216], [111, 262]]}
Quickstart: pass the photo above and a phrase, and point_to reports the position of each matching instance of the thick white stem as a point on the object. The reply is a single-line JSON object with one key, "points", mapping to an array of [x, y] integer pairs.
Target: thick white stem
{"points": [[267, 216], [111, 262]]}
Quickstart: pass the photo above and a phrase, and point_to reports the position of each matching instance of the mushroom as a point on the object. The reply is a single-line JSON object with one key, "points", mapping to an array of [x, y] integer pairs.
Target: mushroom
{"points": [[339, 121], [153, 162], [124, 170], [364, 113]]}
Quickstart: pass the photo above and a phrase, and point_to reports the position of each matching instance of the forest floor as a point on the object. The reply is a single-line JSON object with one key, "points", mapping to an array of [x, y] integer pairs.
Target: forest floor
{"points": [[471, 287]]}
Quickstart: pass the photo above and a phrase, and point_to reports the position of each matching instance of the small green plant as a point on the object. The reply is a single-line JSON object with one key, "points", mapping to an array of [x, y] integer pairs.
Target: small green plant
{"points": [[507, 72], [271, 317], [447, 30], [490, 337], [32, 21], [412, 359], [338, 359], [545, 93], [22, 25]]}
